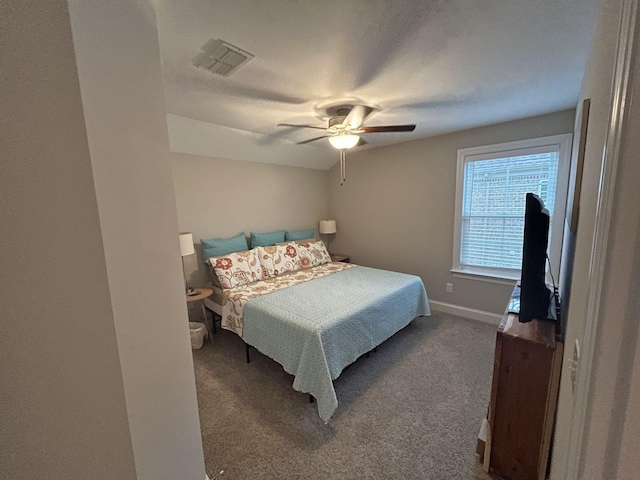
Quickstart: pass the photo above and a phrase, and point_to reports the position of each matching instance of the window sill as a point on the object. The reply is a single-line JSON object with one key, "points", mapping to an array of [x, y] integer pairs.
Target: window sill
{"points": [[485, 277]]}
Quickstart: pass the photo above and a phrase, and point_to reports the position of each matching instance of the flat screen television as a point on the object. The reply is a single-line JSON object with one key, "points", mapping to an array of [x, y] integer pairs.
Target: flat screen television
{"points": [[535, 296]]}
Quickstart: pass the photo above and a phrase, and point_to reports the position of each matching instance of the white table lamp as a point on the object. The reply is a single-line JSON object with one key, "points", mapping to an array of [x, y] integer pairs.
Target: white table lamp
{"points": [[327, 227], [186, 248]]}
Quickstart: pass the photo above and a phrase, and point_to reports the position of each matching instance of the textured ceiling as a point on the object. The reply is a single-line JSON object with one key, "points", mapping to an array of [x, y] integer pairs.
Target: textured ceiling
{"points": [[445, 65]]}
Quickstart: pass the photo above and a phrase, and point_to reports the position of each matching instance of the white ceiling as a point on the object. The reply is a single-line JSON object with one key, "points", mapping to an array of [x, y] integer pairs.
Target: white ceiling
{"points": [[444, 65]]}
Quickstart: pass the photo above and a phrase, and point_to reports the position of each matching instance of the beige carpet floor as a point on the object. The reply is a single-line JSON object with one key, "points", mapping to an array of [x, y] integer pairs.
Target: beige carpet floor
{"points": [[412, 410]]}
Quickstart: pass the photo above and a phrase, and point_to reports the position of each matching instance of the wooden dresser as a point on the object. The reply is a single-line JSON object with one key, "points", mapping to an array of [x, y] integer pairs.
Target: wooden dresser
{"points": [[524, 392]]}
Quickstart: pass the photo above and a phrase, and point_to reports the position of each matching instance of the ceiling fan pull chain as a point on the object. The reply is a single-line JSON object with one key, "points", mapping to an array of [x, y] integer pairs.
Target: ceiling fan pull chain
{"points": [[344, 168]]}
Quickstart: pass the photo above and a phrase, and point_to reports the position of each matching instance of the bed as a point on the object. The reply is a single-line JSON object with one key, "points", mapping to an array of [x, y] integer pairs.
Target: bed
{"points": [[317, 320]]}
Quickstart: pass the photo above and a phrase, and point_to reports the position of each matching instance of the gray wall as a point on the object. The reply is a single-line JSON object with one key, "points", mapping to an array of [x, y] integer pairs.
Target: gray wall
{"points": [[609, 445], [120, 77], [96, 374], [62, 401], [217, 197], [396, 209], [596, 86]]}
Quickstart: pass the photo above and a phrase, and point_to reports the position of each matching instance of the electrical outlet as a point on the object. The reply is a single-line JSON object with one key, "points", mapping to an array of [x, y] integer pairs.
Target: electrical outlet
{"points": [[449, 287]]}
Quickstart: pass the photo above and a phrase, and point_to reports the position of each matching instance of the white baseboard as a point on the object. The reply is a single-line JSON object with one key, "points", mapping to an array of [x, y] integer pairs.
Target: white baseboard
{"points": [[466, 312]]}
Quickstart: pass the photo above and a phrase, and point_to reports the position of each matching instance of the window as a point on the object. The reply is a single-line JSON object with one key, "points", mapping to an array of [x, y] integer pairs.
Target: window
{"points": [[491, 188]]}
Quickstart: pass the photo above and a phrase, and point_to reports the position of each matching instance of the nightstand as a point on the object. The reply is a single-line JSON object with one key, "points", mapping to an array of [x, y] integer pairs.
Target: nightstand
{"points": [[338, 257], [202, 293]]}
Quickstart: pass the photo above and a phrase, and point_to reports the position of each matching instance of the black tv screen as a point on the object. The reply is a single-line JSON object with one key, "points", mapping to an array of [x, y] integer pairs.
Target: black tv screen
{"points": [[535, 296]]}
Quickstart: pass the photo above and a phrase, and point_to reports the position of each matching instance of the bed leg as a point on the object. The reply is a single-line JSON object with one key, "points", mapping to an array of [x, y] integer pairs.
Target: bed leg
{"points": [[213, 318], [247, 347], [311, 398]]}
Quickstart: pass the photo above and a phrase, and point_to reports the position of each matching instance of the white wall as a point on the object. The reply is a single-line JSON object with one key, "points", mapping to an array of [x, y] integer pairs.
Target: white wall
{"points": [[218, 197], [596, 86], [396, 209], [629, 460], [95, 361], [62, 402], [118, 61], [611, 442]]}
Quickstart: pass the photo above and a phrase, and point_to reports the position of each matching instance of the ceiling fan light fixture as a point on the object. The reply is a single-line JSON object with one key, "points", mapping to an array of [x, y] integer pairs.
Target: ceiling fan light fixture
{"points": [[344, 141]]}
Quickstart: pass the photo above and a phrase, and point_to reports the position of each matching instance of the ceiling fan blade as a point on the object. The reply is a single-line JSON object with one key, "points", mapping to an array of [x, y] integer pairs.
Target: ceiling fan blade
{"points": [[300, 126], [361, 142], [389, 128], [311, 140], [355, 117]]}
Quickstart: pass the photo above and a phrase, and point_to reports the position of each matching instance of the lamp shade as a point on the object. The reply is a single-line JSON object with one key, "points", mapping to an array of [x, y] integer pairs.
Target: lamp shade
{"points": [[327, 227], [343, 141], [186, 244]]}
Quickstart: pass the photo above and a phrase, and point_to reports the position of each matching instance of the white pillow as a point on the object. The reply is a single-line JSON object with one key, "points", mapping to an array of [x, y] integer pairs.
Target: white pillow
{"points": [[312, 254], [279, 259], [236, 269]]}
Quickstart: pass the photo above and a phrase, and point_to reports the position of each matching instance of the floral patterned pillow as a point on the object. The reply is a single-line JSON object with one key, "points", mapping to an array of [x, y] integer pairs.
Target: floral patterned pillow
{"points": [[279, 259], [313, 254], [237, 268]]}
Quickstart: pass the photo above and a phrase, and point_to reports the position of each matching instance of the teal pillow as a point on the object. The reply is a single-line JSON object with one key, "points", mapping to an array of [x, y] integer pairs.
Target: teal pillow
{"points": [[300, 234], [216, 247], [266, 239]]}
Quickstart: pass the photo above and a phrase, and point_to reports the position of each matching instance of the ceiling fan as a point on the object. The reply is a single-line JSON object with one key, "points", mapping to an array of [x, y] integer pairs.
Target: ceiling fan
{"points": [[344, 129]]}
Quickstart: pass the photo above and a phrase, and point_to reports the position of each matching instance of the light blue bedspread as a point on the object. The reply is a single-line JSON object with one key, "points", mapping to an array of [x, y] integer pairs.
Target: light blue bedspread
{"points": [[317, 328]]}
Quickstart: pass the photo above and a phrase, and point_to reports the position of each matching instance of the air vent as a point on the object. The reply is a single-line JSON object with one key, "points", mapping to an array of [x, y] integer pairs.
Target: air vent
{"points": [[221, 58]]}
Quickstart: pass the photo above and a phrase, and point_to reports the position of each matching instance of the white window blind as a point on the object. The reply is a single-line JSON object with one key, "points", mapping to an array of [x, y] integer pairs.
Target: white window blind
{"points": [[493, 206], [491, 188]]}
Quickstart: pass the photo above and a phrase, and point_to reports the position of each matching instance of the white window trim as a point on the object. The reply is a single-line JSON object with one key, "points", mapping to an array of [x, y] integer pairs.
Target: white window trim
{"points": [[562, 143]]}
